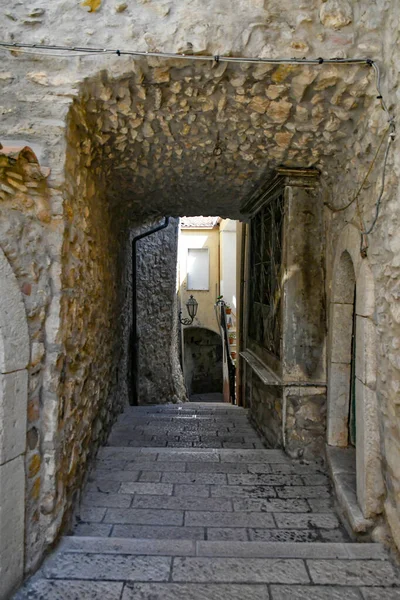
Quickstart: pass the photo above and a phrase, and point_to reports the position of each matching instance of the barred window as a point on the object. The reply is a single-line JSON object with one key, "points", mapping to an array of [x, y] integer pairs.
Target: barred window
{"points": [[266, 276]]}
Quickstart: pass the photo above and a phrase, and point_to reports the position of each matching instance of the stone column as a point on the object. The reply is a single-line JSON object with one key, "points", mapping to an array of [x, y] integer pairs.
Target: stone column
{"points": [[303, 335], [289, 392], [303, 361]]}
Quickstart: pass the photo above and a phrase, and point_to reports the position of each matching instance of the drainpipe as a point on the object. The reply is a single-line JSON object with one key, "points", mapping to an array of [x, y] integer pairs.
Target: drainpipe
{"points": [[134, 395]]}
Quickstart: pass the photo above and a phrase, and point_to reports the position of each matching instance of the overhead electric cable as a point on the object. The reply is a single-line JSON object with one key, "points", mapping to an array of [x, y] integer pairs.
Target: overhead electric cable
{"points": [[65, 51]]}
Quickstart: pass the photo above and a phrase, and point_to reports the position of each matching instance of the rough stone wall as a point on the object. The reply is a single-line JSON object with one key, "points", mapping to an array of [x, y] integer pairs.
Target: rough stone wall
{"points": [[87, 369], [266, 409], [160, 374], [305, 427]]}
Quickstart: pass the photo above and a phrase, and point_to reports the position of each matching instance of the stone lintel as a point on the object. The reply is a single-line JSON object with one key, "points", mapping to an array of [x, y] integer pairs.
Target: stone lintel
{"points": [[283, 177]]}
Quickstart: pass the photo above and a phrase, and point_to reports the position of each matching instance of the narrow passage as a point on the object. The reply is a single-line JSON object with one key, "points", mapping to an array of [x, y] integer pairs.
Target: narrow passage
{"points": [[185, 502]]}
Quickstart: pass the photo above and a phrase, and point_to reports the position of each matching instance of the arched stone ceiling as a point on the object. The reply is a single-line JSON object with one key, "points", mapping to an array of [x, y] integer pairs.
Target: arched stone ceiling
{"points": [[193, 137]]}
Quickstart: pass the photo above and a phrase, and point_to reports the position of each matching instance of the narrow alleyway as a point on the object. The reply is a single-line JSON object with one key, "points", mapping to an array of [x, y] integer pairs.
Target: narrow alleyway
{"points": [[186, 503]]}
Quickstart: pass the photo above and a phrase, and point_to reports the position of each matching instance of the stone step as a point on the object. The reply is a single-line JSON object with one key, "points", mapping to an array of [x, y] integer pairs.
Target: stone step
{"points": [[197, 494], [147, 569], [188, 547], [196, 454]]}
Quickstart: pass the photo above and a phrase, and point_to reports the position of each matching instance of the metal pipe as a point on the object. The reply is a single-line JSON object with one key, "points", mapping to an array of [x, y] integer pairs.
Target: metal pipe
{"points": [[134, 379]]}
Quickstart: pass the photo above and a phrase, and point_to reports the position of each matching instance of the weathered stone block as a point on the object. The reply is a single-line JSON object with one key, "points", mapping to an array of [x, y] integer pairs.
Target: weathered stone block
{"points": [[13, 409], [370, 487], [338, 404], [366, 346], [236, 570], [12, 525], [336, 14], [342, 319]]}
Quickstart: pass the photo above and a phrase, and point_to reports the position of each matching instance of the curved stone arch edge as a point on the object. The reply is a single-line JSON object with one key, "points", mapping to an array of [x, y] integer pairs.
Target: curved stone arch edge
{"points": [[14, 359], [369, 480]]}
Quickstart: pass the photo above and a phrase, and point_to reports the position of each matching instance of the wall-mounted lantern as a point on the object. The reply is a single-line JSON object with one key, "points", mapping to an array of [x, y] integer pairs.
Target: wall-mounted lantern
{"points": [[191, 306]]}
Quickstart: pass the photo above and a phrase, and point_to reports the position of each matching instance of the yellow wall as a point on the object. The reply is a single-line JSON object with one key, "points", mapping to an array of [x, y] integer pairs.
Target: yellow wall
{"points": [[200, 238]]}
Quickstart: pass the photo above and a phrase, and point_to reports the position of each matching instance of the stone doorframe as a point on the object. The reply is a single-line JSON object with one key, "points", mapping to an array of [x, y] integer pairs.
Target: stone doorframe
{"points": [[352, 273], [14, 359]]}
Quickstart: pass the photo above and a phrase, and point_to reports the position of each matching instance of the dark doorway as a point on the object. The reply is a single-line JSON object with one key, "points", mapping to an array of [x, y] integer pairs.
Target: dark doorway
{"points": [[203, 361]]}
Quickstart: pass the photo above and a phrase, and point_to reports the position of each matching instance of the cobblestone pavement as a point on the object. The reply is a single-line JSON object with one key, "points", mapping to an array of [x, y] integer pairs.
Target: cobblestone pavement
{"points": [[186, 503]]}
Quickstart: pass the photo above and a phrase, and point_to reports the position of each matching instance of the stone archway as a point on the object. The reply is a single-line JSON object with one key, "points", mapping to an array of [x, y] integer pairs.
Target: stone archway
{"points": [[353, 279], [14, 358]]}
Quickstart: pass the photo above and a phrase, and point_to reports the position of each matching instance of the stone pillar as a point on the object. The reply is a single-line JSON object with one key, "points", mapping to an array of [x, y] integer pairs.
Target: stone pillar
{"points": [[303, 339], [303, 316], [290, 403]]}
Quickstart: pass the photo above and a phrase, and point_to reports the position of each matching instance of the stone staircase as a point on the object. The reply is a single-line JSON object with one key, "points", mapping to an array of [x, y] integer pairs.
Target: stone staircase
{"points": [[186, 503]]}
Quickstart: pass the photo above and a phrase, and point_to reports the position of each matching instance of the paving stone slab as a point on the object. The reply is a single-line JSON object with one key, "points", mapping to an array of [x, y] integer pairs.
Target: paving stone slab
{"points": [[42, 589], [112, 475], [208, 444], [94, 499], [315, 479], [251, 491], [113, 567], [280, 505], [261, 468], [90, 545], [107, 452], [216, 467], [233, 570], [306, 491], [249, 440], [201, 491], [380, 594], [194, 478], [157, 489], [334, 535], [321, 504], [354, 572], [219, 534], [283, 535], [183, 503], [158, 532], [93, 529], [187, 591], [110, 463], [306, 521], [306, 592], [91, 514], [263, 479], [150, 477], [140, 516], [300, 467], [188, 456], [254, 456], [104, 487], [365, 551], [181, 445], [222, 519], [154, 467]]}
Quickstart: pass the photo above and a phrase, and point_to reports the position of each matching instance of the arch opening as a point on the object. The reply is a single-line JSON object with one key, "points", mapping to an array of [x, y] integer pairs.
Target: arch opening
{"points": [[164, 138], [353, 418]]}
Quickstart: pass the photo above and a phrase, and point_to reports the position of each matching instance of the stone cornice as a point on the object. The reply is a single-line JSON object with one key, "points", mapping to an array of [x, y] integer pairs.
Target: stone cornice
{"points": [[282, 177]]}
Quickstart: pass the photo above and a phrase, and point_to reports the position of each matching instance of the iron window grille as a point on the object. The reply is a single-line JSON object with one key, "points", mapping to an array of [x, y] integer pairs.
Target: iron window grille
{"points": [[265, 291]]}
